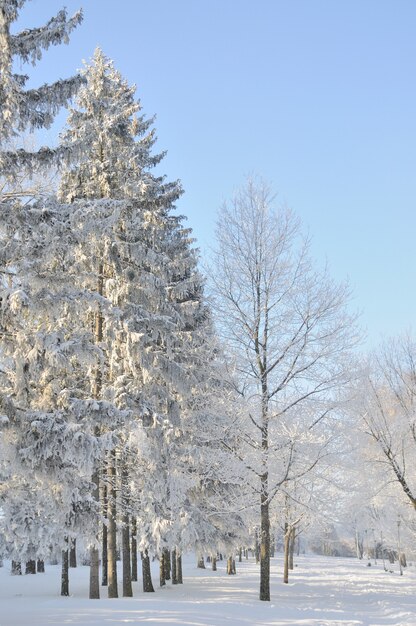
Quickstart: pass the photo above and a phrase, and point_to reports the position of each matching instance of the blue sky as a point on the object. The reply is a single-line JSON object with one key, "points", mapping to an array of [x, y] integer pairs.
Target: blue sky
{"points": [[316, 96]]}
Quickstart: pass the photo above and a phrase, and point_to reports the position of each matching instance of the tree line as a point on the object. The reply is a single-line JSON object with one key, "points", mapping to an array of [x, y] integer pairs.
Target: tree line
{"points": [[145, 408]]}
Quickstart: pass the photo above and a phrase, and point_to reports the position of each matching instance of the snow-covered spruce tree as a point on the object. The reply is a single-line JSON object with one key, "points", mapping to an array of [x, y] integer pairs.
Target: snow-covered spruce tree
{"points": [[29, 109], [49, 357], [144, 262], [22, 110]]}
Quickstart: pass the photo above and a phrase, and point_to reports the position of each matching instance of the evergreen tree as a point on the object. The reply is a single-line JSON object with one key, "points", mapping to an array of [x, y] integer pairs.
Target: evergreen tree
{"points": [[29, 109]]}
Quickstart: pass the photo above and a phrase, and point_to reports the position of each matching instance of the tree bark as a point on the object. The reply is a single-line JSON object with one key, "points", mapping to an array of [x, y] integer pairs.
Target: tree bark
{"points": [[112, 527], [174, 569], [162, 580], [125, 534], [104, 540], [16, 568], [272, 545], [231, 565], [30, 567], [134, 572], [73, 553], [94, 592], [179, 567], [146, 573], [40, 566], [286, 556], [167, 563], [264, 541], [65, 573], [214, 563], [201, 563], [292, 547]]}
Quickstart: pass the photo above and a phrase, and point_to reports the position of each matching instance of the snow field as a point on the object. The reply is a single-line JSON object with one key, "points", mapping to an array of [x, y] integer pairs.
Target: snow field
{"points": [[323, 591]]}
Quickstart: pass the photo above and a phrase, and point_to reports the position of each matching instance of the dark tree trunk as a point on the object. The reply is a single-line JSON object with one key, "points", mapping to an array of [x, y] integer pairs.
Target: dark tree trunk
{"points": [[214, 563], [264, 541], [94, 590], [73, 553], [240, 554], [201, 562], [16, 568], [146, 573], [30, 567], [94, 593], [231, 565], [40, 566], [112, 528], [286, 556], [94, 574], [174, 570], [134, 572], [179, 567], [272, 546], [65, 573], [125, 533], [104, 573], [162, 570], [166, 563], [292, 547]]}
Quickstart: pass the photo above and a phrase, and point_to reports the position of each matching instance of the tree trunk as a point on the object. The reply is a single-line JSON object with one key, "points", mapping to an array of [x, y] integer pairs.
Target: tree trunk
{"points": [[257, 547], [146, 573], [240, 554], [112, 527], [134, 573], [264, 541], [272, 545], [65, 573], [30, 567], [162, 570], [174, 570], [166, 563], [231, 565], [201, 563], [16, 568], [94, 574], [179, 567], [214, 563], [286, 556], [94, 593], [104, 573], [40, 566], [73, 553], [292, 547], [125, 535]]}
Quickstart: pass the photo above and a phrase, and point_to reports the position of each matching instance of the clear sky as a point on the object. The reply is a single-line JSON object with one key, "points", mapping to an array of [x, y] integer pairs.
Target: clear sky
{"points": [[316, 96]]}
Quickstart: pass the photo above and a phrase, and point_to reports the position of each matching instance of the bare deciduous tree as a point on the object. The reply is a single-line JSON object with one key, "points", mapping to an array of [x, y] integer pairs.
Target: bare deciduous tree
{"points": [[389, 411], [287, 331]]}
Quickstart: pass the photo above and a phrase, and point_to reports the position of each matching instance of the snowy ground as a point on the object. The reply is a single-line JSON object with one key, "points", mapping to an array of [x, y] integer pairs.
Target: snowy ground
{"points": [[322, 592]]}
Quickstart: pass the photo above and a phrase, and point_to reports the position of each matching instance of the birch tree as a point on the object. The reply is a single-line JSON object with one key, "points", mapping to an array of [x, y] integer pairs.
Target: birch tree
{"points": [[286, 327]]}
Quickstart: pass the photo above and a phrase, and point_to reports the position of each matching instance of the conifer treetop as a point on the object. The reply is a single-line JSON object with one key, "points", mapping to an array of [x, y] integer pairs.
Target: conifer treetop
{"points": [[117, 140]]}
